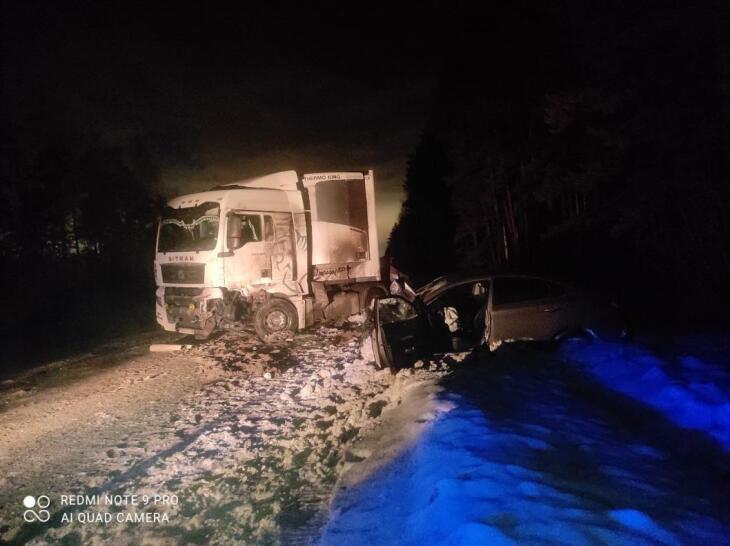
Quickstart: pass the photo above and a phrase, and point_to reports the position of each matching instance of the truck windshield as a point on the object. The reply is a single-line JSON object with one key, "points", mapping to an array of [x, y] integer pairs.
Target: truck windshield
{"points": [[189, 229]]}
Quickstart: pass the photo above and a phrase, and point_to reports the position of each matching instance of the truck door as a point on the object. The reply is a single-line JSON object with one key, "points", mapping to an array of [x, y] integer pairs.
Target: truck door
{"points": [[279, 238], [248, 261]]}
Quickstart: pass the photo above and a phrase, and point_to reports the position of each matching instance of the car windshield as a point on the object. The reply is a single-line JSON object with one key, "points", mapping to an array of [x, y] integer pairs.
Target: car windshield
{"points": [[189, 229]]}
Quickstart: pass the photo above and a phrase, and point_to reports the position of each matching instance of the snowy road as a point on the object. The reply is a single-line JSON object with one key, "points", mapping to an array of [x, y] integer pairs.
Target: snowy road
{"points": [[250, 444], [242, 443], [536, 448]]}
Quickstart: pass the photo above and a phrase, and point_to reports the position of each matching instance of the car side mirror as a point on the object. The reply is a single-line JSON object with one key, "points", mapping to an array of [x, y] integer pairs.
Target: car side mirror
{"points": [[396, 287], [234, 232]]}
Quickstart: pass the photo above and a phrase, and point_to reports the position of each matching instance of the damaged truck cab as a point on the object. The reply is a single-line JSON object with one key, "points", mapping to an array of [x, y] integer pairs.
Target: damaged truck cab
{"points": [[278, 251]]}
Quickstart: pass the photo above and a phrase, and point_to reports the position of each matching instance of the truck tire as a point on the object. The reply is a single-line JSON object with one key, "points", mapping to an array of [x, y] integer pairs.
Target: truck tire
{"points": [[276, 320]]}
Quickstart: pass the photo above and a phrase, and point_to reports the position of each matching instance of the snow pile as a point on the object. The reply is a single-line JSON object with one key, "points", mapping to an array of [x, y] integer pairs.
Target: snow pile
{"points": [[462, 484], [691, 392], [519, 457]]}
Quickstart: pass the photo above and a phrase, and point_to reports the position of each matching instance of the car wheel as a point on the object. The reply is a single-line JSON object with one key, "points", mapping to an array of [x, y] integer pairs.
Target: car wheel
{"points": [[276, 320]]}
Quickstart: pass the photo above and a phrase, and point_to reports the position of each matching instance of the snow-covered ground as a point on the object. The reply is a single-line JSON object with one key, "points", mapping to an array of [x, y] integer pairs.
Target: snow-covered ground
{"points": [[689, 383], [249, 439], [307, 442], [531, 446]]}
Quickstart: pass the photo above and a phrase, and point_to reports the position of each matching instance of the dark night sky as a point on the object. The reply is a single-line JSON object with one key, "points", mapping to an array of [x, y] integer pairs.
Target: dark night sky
{"points": [[221, 94]]}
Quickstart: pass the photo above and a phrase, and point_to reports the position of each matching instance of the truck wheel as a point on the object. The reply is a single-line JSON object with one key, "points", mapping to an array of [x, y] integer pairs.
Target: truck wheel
{"points": [[275, 320]]}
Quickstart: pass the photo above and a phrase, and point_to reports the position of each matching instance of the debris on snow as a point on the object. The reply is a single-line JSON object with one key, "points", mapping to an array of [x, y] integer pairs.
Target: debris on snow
{"points": [[167, 347], [252, 439], [358, 319]]}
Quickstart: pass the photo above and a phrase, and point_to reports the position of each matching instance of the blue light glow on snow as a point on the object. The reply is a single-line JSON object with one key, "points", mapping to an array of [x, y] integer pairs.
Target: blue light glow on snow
{"points": [[691, 392], [523, 459]]}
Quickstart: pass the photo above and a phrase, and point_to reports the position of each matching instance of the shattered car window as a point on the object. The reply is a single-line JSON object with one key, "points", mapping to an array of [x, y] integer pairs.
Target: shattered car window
{"points": [[433, 286], [395, 310]]}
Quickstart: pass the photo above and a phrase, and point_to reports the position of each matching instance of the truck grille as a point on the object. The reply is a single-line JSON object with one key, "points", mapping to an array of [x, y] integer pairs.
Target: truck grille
{"points": [[183, 274]]}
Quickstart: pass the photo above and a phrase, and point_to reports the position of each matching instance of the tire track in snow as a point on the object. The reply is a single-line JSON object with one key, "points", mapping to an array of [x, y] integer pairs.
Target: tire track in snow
{"points": [[253, 456]]}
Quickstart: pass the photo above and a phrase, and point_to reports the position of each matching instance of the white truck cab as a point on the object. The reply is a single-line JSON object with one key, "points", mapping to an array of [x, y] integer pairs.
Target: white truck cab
{"points": [[280, 250]]}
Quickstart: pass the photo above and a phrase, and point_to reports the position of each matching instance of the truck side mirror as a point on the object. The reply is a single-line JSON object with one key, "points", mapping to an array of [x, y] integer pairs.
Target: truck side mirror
{"points": [[234, 232]]}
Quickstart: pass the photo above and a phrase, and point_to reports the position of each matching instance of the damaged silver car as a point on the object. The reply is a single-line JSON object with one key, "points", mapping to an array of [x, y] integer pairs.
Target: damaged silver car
{"points": [[461, 313]]}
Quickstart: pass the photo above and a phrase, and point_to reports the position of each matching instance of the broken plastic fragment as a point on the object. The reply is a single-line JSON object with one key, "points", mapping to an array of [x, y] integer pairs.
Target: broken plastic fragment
{"points": [[167, 347]]}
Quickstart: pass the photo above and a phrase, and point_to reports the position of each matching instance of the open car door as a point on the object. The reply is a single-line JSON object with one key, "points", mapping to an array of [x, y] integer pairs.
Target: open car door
{"points": [[400, 333]]}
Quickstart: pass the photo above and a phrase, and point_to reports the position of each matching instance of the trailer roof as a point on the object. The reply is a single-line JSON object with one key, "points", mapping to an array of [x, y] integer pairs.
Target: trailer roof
{"points": [[283, 180], [243, 198]]}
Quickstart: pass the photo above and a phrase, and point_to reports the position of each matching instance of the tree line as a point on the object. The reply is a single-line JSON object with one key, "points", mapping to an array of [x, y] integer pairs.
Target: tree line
{"points": [[586, 142], [77, 225]]}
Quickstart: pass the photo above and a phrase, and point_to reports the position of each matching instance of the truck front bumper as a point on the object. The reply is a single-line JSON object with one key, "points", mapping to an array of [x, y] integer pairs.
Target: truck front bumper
{"points": [[188, 310]]}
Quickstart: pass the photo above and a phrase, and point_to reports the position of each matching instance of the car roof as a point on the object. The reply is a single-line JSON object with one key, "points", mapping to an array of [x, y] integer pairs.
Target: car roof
{"points": [[431, 290]]}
